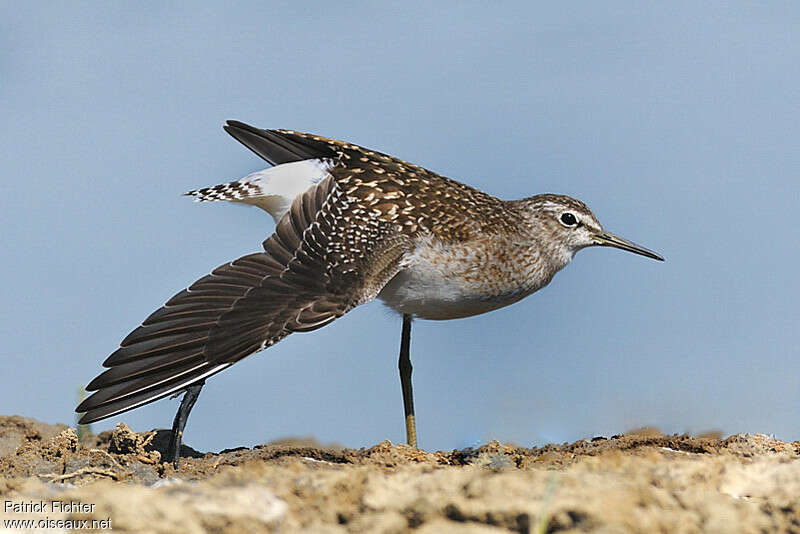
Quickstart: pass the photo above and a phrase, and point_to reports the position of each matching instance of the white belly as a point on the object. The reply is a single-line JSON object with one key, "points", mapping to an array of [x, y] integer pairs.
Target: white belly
{"points": [[449, 282], [438, 298]]}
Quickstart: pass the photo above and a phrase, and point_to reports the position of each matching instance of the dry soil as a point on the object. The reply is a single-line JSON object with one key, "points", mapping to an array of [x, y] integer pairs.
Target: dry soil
{"points": [[640, 482]]}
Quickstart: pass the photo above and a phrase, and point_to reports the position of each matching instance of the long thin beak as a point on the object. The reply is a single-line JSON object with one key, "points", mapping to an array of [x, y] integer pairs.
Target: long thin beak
{"points": [[607, 239]]}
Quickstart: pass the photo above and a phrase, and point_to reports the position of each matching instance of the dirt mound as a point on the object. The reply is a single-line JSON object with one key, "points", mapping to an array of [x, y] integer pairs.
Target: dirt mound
{"points": [[642, 481]]}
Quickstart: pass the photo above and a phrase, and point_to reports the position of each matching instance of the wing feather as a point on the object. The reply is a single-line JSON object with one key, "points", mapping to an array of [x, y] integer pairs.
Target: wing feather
{"points": [[245, 306], [276, 147]]}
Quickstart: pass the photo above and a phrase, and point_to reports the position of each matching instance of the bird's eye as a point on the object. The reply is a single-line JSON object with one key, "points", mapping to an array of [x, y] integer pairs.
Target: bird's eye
{"points": [[568, 219]]}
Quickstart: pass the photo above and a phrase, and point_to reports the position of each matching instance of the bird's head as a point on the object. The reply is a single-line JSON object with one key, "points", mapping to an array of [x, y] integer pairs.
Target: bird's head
{"points": [[563, 225]]}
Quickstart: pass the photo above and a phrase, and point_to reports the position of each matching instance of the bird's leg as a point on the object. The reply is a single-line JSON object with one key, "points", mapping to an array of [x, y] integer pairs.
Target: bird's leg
{"points": [[187, 403], [405, 381]]}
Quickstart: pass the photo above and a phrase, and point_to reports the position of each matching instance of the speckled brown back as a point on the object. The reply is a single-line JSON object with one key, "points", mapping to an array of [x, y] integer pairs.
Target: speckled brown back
{"points": [[389, 189]]}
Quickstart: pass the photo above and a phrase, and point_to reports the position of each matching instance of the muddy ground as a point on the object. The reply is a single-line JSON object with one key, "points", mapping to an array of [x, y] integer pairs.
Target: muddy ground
{"points": [[638, 482]]}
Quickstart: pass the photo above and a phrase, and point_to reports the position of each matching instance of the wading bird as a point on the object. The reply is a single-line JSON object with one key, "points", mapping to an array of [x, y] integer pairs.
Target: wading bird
{"points": [[352, 224]]}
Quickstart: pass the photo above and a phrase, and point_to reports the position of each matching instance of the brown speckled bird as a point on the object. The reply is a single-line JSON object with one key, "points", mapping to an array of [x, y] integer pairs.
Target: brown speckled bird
{"points": [[352, 224]]}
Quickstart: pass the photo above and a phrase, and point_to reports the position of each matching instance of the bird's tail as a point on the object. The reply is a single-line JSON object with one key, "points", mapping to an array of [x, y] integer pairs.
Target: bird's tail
{"points": [[273, 189]]}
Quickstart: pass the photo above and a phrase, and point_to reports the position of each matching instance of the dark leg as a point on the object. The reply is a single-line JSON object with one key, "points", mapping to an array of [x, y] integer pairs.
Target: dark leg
{"points": [[189, 398], [405, 382]]}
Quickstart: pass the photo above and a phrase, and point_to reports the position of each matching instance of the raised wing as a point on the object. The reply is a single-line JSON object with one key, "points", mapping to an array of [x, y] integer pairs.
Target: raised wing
{"points": [[318, 265]]}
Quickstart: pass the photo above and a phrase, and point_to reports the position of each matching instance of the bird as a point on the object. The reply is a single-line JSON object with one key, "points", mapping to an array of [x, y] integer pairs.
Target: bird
{"points": [[352, 224]]}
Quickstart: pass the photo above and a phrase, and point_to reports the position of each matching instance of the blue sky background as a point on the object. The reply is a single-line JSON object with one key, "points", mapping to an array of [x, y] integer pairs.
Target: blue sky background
{"points": [[678, 123]]}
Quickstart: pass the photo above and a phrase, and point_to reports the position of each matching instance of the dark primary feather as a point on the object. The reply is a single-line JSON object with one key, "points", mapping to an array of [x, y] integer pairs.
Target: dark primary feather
{"points": [[275, 147]]}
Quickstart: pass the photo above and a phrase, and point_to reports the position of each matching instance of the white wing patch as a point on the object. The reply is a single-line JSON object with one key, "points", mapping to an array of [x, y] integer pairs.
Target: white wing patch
{"points": [[273, 189]]}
